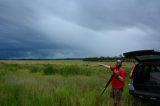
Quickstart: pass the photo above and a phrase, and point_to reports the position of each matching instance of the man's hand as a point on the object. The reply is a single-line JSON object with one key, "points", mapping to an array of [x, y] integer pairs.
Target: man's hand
{"points": [[118, 76], [99, 64], [116, 73]]}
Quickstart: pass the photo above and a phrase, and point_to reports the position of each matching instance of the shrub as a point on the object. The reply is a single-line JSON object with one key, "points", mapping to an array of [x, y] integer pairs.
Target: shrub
{"points": [[13, 67], [50, 69], [33, 69]]}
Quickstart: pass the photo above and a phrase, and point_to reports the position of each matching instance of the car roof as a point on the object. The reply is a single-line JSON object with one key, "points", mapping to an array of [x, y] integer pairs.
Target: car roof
{"points": [[144, 55]]}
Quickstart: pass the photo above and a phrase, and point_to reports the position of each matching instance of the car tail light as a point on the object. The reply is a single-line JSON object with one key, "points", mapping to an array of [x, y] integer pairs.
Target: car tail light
{"points": [[131, 73]]}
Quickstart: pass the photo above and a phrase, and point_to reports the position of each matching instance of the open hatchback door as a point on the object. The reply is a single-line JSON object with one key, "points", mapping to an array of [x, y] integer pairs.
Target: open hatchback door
{"points": [[145, 75], [144, 55]]}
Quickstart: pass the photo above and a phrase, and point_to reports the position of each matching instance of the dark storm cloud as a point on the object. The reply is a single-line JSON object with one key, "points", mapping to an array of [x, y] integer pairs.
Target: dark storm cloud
{"points": [[18, 37], [77, 28]]}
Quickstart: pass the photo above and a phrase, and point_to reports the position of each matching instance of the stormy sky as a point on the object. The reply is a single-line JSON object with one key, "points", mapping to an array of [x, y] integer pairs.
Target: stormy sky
{"points": [[77, 28]]}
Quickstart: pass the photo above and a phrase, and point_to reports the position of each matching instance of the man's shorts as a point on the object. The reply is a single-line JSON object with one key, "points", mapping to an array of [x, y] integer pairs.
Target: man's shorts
{"points": [[116, 94]]}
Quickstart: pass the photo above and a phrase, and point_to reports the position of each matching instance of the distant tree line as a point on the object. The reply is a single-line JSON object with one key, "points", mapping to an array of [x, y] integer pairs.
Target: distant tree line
{"points": [[101, 59]]}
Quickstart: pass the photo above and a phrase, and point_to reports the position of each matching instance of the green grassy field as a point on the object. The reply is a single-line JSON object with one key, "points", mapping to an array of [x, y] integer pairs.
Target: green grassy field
{"points": [[58, 83]]}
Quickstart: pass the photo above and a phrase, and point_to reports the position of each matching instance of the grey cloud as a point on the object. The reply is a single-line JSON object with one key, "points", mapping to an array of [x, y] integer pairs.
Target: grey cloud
{"points": [[77, 27]]}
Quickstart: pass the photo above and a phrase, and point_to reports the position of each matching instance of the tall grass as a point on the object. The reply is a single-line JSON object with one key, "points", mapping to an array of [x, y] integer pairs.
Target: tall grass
{"points": [[57, 85], [65, 70]]}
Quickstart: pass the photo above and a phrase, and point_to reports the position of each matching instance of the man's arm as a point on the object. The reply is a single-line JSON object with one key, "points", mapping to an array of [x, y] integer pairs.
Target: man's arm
{"points": [[104, 65], [119, 76]]}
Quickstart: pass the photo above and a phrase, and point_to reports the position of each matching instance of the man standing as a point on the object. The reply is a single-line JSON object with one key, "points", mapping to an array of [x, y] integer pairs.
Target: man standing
{"points": [[118, 81]]}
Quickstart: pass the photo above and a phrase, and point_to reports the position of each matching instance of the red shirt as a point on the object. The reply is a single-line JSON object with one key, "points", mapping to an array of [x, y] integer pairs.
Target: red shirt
{"points": [[116, 83]]}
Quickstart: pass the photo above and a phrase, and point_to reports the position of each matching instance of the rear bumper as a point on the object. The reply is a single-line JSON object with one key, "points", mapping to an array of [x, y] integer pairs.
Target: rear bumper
{"points": [[145, 95]]}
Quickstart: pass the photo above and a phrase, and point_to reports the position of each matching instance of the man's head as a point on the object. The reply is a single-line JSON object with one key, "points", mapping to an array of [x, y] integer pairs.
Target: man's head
{"points": [[118, 63]]}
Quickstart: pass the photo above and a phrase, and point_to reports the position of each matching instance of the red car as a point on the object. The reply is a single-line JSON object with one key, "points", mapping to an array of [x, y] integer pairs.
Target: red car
{"points": [[145, 74]]}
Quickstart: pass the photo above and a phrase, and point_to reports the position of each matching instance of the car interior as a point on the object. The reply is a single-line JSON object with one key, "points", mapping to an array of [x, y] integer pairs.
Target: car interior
{"points": [[147, 78]]}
